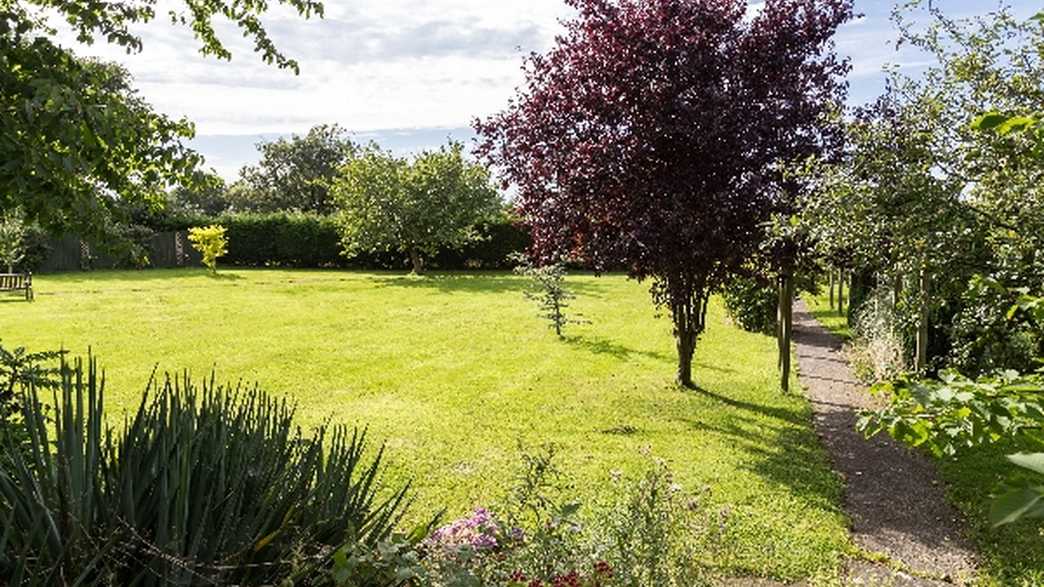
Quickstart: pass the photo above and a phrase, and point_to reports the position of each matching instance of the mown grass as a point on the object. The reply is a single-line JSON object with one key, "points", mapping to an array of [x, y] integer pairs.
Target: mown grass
{"points": [[819, 306], [453, 371], [1010, 555]]}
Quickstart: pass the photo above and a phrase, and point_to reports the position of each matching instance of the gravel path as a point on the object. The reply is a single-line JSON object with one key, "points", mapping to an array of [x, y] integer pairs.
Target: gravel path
{"points": [[893, 496]]}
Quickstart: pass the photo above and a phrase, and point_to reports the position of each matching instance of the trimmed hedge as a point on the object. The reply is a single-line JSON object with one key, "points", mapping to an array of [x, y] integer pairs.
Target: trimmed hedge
{"points": [[294, 239]]}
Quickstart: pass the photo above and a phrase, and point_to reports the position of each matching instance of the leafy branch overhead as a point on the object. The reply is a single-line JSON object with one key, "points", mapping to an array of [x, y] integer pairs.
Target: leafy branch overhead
{"points": [[77, 142]]}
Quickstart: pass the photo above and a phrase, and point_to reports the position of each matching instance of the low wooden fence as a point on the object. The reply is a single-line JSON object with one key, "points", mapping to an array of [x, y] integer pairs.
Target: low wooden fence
{"points": [[164, 250]]}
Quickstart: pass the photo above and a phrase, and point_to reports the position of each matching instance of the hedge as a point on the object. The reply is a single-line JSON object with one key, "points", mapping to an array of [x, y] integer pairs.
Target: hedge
{"points": [[293, 239]]}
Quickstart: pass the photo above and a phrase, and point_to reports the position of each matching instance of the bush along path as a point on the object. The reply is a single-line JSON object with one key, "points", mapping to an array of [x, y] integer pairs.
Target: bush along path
{"points": [[893, 496]]}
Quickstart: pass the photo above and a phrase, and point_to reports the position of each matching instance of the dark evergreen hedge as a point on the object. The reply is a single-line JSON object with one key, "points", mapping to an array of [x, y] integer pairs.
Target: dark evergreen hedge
{"points": [[290, 239]]}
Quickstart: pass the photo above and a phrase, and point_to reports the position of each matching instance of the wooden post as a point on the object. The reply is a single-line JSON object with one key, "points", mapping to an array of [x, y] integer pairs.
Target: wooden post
{"points": [[897, 287], [841, 292], [830, 272], [784, 328], [922, 323]]}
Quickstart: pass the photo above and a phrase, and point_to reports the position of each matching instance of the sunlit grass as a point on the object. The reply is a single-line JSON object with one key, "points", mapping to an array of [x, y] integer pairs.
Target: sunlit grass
{"points": [[452, 371], [830, 318]]}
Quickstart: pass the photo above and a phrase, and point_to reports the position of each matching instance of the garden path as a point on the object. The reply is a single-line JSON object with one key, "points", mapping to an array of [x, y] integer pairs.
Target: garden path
{"points": [[893, 496]]}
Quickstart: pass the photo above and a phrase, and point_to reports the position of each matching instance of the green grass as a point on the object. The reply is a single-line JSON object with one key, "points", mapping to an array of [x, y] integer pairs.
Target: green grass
{"points": [[454, 370], [819, 306], [1011, 555]]}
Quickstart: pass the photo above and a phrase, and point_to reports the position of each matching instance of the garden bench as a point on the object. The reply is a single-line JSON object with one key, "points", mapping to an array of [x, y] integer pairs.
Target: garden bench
{"points": [[17, 282]]}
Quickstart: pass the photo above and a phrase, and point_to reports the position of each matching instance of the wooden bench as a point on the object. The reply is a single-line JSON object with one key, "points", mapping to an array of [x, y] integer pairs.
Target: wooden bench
{"points": [[18, 282]]}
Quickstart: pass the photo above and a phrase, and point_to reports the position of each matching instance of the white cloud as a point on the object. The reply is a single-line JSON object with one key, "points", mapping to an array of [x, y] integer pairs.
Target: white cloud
{"points": [[369, 65]]}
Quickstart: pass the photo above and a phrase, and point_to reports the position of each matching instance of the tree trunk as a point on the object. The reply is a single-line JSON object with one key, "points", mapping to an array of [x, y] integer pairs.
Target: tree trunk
{"points": [[689, 313], [417, 261], [686, 344], [841, 292], [897, 287], [784, 328], [830, 272], [922, 323]]}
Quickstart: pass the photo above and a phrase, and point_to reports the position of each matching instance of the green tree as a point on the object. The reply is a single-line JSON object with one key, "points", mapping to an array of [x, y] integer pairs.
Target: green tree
{"points": [[206, 194], [296, 173], [12, 236], [416, 207], [75, 137]]}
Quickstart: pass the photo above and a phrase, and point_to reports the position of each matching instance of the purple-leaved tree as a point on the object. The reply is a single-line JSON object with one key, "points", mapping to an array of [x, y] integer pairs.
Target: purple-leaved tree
{"points": [[650, 137]]}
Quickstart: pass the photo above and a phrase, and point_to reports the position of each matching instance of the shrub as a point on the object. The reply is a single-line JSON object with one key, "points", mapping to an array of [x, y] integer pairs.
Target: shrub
{"points": [[204, 484], [547, 289], [211, 242], [282, 239], [752, 303], [20, 368], [649, 531], [877, 351], [12, 236], [985, 335]]}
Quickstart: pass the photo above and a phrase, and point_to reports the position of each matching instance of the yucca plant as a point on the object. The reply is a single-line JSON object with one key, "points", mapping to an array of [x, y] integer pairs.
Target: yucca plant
{"points": [[205, 484]]}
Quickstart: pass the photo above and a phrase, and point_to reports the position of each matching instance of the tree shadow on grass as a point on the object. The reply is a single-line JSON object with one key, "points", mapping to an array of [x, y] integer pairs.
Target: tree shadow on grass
{"points": [[784, 414], [781, 455], [481, 282], [604, 346]]}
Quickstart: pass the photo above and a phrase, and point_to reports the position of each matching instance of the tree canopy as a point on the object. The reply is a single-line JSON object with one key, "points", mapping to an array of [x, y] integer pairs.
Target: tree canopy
{"points": [[75, 137], [389, 203], [650, 137], [295, 173]]}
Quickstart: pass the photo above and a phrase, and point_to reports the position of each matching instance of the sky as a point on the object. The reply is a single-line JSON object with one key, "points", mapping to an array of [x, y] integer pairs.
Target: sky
{"points": [[408, 74]]}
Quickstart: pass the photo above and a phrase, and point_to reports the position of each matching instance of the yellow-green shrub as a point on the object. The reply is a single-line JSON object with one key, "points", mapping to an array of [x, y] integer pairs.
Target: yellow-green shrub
{"points": [[211, 242]]}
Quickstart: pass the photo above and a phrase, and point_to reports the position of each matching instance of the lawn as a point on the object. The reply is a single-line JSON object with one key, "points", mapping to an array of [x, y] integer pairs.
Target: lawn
{"points": [[819, 306], [452, 371]]}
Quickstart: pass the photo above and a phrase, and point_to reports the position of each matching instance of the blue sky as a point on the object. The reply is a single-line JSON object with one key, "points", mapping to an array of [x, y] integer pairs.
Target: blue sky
{"points": [[406, 73]]}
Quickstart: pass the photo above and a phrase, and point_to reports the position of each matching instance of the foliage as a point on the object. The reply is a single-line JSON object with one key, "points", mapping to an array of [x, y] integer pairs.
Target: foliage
{"points": [[955, 413], [940, 182], [751, 303], [211, 241], [76, 140], [12, 239], [986, 335], [650, 137], [282, 239], [305, 240], [877, 350], [649, 531], [548, 290], [204, 483], [294, 174], [207, 194], [414, 207], [19, 369]]}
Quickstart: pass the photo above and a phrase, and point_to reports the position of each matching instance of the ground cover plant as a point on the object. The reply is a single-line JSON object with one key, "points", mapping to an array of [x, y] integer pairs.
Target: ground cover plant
{"points": [[453, 370]]}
